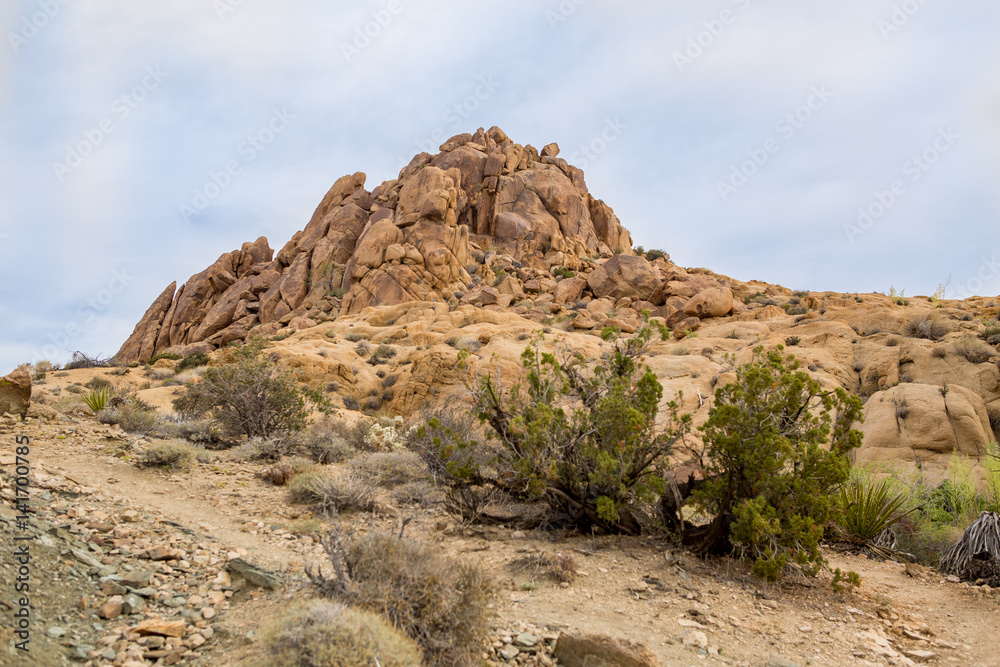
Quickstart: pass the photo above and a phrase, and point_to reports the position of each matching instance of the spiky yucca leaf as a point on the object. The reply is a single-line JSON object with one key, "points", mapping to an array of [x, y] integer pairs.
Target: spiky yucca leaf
{"points": [[869, 509], [97, 399]]}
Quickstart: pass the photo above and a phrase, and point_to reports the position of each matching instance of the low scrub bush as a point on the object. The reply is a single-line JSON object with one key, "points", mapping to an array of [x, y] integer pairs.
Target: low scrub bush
{"points": [[389, 469], [320, 633], [869, 509], [193, 360], [928, 327], [169, 454], [443, 604], [328, 493], [974, 350], [130, 418]]}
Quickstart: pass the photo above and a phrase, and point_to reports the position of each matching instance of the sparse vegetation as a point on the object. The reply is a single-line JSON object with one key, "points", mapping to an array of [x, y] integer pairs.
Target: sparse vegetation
{"points": [[169, 454], [320, 633], [792, 341], [924, 326], [974, 350], [328, 493], [443, 604]]}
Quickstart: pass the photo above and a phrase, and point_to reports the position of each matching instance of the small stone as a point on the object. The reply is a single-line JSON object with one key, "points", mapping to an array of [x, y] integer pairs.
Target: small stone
{"points": [[162, 628], [111, 609], [136, 578], [919, 655], [133, 604], [160, 553], [509, 652], [778, 661], [55, 632], [517, 535], [208, 613], [129, 516], [695, 638], [638, 587], [526, 640], [109, 587]]}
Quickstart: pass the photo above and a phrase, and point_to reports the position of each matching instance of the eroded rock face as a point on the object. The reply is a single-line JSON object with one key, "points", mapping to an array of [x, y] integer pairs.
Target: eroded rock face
{"points": [[920, 426], [15, 392], [421, 237]]}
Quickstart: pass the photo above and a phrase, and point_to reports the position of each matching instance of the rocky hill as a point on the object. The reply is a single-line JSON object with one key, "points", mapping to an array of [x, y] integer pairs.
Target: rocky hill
{"points": [[489, 240]]}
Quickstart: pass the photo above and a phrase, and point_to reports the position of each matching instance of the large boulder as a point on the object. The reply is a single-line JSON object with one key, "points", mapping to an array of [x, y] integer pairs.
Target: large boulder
{"points": [[593, 650], [712, 302], [15, 392], [624, 276], [920, 427]]}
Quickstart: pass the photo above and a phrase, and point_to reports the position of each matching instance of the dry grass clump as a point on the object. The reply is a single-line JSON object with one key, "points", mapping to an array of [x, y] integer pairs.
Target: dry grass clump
{"points": [[443, 604], [924, 326], [170, 454], [320, 633], [974, 350], [329, 493], [283, 472], [262, 449], [557, 566], [323, 442], [389, 469]]}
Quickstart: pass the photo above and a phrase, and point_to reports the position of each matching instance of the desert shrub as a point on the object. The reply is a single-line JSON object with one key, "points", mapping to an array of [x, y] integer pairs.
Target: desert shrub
{"points": [[201, 432], [388, 469], [792, 341], [924, 326], [562, 272], [442, 603], [248, 396], [263, 449], [654, 254], [130, 418], [580, 435], [283, 472], [320, 633], [329, 493], [776, 447], [892, 341], [796, 310], [381, 354], [354, 337], [323, 442], [991, 332], [193, 360], [421, 493], [169, 454], [939, 352], [974, 350], [161, 373], [994, 413], [351, 403], [98, 382]]}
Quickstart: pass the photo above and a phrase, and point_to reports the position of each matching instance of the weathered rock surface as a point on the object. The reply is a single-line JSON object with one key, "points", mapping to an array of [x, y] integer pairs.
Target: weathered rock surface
{"points": [[424, 236], [15, 392], [586, 650]]}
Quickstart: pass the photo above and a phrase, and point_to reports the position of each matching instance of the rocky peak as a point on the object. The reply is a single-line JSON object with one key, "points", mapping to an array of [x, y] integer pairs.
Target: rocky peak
{"points": [[433, 234]]}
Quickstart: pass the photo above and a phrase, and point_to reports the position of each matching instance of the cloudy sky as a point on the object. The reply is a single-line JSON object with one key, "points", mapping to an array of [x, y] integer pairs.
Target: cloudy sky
{"points": [[849, 146]]}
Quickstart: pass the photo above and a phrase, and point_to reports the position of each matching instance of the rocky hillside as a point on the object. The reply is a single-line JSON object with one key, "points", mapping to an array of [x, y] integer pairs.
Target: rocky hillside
{"points": [[482, 244]]}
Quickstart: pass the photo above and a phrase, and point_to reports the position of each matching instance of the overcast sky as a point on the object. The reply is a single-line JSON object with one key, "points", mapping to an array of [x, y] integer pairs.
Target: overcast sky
{"points": [[739, 135]]}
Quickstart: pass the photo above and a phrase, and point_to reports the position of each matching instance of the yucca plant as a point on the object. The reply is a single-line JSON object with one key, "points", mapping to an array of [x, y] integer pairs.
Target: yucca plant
{"points": [[97, 399], [870, 509], [977, 555]]}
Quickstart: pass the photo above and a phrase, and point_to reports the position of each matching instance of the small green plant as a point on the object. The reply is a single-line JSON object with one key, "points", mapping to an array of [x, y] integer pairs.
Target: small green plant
{"points": [[870, 508], [792, 341], [97, 399], [163, 355], [354, 337], [562, 272], [321, 633], [898, 298], [796, 310]]}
